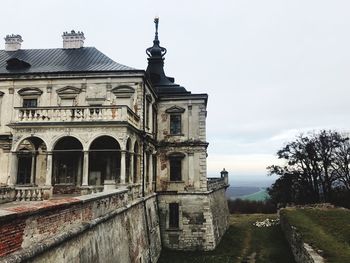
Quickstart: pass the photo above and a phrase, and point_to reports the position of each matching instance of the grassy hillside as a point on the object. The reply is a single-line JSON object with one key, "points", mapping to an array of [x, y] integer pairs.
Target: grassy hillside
{"points": [[324, 229], [241, 241]]}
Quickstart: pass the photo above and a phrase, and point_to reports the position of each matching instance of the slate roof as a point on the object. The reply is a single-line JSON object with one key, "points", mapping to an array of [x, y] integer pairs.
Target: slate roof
{"points": [[85, 59]]}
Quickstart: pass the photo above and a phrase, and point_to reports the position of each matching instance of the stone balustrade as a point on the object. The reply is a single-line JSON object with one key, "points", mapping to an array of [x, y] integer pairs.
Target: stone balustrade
{"points": [[6, 194], [75, 114], [31, 193], [216, 183], [40, 193]]}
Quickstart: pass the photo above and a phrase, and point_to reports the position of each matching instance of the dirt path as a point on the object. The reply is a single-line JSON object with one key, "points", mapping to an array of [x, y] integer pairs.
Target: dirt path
{"points": [[247, 247]]}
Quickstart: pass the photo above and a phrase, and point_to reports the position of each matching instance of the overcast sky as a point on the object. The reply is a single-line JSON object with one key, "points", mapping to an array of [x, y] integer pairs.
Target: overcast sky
{"points": [[272, 69]]}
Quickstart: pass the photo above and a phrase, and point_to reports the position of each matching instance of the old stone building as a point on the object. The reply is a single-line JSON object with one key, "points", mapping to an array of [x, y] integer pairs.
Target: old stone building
{"points": [[74, 122]]}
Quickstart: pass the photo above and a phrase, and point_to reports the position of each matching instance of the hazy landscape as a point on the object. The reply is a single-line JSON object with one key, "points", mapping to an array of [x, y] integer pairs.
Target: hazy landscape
{"points": [[248, 190]]}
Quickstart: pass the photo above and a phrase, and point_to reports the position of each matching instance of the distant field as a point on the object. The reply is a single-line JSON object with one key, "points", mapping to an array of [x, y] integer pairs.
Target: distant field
{"points": [[258, 196], [247, 193]]}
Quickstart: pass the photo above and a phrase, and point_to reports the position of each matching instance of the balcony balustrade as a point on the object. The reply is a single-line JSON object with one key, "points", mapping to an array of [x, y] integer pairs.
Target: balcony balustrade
{"points": [[75, 114]]}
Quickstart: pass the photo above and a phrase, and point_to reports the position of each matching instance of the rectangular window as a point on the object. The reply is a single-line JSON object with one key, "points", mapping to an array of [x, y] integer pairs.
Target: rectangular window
{"points": [[147, 168], [147, 114], [154, 169], [30, 103], [154, 128], [173, 215], [175, 124], [175, 169]]}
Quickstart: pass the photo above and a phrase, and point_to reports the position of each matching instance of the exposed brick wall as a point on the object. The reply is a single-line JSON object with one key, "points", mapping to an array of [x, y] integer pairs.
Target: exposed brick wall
{"points": [[11, 236], [40, 220], [92, 228]]}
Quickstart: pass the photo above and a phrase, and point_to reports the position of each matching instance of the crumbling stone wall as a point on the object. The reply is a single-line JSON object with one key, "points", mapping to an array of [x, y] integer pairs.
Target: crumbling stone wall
{"points": [[220, 213], [103, 227], [203, 220]]}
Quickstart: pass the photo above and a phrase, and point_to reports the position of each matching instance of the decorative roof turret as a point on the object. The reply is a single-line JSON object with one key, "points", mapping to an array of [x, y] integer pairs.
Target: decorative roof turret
{"points": [[163, 85], [156, 50]]}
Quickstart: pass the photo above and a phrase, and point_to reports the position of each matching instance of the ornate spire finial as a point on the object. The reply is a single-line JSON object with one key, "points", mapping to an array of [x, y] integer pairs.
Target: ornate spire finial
{"points": [[156, 50], [156, 21]]}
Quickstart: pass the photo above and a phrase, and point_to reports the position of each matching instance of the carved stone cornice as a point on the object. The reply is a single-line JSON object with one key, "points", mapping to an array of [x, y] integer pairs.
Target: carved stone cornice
{"points": [[189, 143]]}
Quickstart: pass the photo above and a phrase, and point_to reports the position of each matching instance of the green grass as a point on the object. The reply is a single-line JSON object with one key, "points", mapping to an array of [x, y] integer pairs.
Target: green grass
{"points": [[241, 240], [258, 196], [324, 229]]}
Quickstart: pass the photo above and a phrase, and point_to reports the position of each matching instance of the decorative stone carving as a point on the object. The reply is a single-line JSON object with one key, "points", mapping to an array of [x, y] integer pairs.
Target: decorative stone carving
{"points": [[68, 92], [123, 91], [175, 109], [30, 92], [96, 94]]}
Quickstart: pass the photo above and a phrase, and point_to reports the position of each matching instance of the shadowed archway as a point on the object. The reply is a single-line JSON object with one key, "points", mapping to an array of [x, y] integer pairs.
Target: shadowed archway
{"points": [[104, 160], [31, 161], [67, 162]]}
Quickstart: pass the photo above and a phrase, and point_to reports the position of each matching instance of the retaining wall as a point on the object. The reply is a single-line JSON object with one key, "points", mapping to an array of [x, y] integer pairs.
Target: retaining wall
{"points": [[101, 227], [303, 252]]}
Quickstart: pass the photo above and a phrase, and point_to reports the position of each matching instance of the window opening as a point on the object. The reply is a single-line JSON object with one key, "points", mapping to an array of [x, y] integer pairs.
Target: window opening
{"points": [[175, 169], [175, 124], [173, 215], [30, 103]]}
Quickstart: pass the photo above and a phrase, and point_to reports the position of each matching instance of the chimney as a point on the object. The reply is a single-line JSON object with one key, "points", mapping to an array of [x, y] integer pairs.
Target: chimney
{"points": [[13, 42], [73, 39]]}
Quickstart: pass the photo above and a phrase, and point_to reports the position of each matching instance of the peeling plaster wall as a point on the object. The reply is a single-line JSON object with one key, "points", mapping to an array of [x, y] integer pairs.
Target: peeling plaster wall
{"points": [[191, 142], [4, 164], [193, 120], [203, 220]]}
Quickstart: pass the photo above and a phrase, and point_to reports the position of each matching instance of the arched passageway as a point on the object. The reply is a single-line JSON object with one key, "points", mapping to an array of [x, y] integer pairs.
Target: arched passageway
{"points": [[31, 161], [104, 160], [67, 162]]}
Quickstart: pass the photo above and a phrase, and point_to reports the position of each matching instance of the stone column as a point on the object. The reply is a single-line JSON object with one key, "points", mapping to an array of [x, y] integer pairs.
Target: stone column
{"points": [[48, 180], [32, 172], [13, 169], [131, 170], [122, 167], [86, 169]]}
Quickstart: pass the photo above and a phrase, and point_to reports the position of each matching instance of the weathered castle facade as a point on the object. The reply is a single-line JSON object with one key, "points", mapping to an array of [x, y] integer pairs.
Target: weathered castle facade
{"points": [[74, 122]]}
